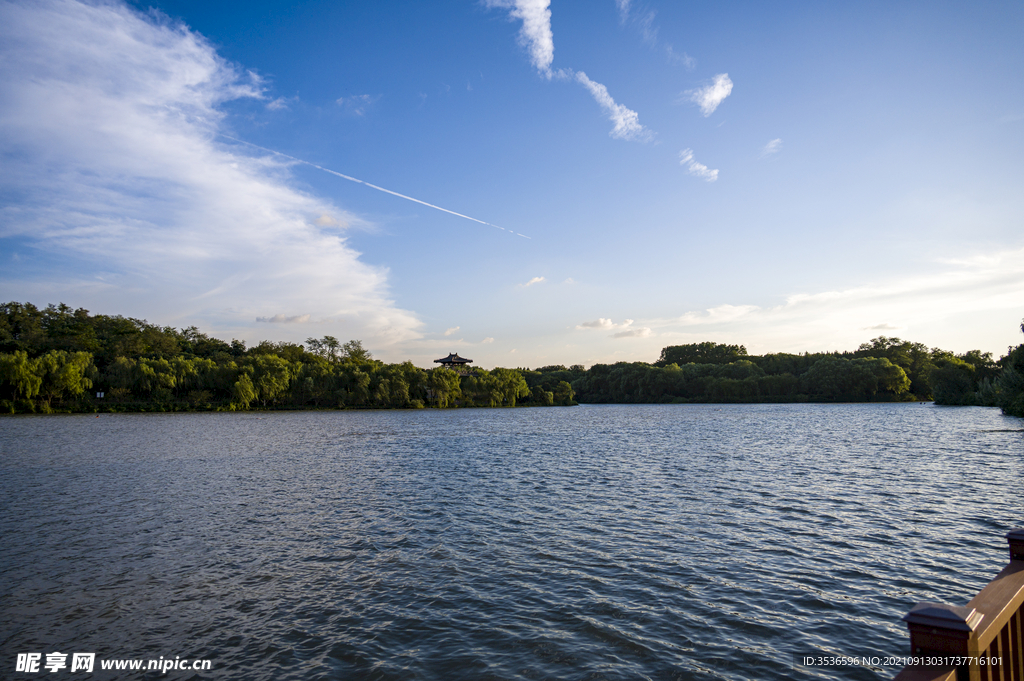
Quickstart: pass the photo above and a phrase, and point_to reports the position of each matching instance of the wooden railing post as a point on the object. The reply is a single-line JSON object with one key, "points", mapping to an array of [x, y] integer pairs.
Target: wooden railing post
{"points": [[989, 630], [938, 630], [1015, 538]]}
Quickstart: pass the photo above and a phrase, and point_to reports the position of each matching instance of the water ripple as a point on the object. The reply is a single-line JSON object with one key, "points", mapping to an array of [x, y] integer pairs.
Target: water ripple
{"points": [[618, 542]]}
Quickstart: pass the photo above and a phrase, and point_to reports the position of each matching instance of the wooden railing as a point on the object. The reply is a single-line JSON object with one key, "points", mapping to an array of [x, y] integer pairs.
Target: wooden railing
{"points": [[961, 643]]}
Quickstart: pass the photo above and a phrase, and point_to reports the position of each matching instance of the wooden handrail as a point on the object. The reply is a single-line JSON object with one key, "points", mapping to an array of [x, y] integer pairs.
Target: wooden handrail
{"points": [[966, 639]]}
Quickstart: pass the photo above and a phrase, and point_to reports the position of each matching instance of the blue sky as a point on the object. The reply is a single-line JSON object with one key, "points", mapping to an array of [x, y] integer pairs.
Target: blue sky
{"points": [[793, 176]]}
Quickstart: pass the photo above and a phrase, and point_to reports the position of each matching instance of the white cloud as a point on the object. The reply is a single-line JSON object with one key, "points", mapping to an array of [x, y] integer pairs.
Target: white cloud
{"points": [[535, 280], [697, 169], [881, 327], [357, 105], [487, 340], [326, 220], [452, 330], [537, 37], [772, 147], [278, 104], [282, 319], [108, 125], [535, 34], [627, 122], [601, 323], [710, 96], [642, 332], [626, 328], [717, 315]]}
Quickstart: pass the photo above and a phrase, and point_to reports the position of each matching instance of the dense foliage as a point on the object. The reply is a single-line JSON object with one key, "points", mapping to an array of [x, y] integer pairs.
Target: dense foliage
{"points": [[884, 369], [1008, 389], [59, 358]]}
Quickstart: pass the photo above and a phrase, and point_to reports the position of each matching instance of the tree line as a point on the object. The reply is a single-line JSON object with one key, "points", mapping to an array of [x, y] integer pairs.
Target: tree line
{"points": [[884, 369], [57, 358]]}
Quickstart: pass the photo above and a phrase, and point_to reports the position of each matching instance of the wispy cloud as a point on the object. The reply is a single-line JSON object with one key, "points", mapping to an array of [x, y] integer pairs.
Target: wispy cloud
{"points": [[454, 329], [718, 315], [535, 280], [357, 105], [107, 128], [281, 103], [640, 16], [772, 147], [686, 60], [326, 220], [643, 18], [535, 34], [625, 329], [710, 96], [487, 340], [881, 327], [626, 122], [623, 6], [602, 323], [282, 319], [648, 29], [641, 332], [696, 169]]}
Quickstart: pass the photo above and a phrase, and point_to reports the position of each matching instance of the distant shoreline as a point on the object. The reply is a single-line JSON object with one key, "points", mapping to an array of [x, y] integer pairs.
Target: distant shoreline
{"points": [[63, 360]]}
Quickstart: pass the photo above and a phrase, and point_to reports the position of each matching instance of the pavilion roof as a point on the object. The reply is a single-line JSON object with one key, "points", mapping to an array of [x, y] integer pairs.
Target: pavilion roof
{"points": [[453, 358]]}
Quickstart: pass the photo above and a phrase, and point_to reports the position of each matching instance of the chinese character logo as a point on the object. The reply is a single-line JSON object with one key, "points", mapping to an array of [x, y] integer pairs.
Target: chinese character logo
{"points": [[82, 662]]}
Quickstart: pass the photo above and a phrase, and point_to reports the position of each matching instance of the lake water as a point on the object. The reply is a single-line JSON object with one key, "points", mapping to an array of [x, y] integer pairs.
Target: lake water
{"points": [[594, 542]]}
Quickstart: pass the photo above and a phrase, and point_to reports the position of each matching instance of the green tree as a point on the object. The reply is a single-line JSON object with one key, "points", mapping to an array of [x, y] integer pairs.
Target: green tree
{"points": [[21, 328], [198, 344], [327, 347], [541, 397], [914, 358], [701, 353], [271, 377], [563, 393], [64, 374], [356, 386], [444, 385], [509, 385], [21, 374], [984, 365], [353, 352], [1010, 384], [287, 351], [244, 392], [953, 383], [315, 381], [829, 378], [873, 375]]}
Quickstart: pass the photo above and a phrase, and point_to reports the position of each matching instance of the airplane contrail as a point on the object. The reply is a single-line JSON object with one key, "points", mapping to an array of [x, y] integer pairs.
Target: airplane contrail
{"points": [[373, 186]]}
